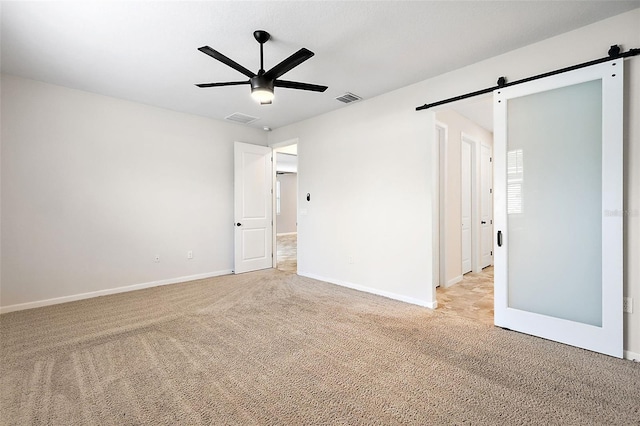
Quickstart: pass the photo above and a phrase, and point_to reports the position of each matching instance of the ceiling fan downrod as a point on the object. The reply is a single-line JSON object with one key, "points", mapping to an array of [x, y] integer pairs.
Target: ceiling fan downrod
{"points": [[261, 37]]}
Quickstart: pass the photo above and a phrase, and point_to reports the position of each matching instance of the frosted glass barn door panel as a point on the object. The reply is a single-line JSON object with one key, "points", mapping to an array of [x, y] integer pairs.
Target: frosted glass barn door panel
{"points": [[558, 170]]}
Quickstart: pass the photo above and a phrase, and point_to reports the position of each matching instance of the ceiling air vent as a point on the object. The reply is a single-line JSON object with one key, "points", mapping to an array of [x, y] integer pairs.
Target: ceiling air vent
{"points": [[347, 98], [238, 117]]}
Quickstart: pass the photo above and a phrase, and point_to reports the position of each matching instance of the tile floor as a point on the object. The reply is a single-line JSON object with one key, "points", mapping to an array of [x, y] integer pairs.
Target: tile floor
{"points": [[472, 297], [286, 253]]}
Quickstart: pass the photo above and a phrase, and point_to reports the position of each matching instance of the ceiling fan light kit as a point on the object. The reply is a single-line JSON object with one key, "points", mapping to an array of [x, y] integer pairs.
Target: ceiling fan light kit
{"points": [[261, 89], [263, 82]]}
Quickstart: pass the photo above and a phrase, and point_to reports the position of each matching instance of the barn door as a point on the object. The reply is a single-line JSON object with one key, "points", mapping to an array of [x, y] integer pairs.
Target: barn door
{"points": [[558, 203]]}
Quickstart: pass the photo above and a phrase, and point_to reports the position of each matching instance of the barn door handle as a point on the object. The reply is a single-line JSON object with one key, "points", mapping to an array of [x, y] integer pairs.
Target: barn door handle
{"points": [[499, 238]]}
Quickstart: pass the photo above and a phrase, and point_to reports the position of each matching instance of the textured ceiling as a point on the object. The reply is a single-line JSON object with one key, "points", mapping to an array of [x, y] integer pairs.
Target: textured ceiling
{"points": [[147, 51]]}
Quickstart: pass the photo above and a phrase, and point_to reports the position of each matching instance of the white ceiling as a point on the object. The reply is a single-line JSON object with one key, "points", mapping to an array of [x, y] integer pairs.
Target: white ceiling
{"points": [[147, 51]]}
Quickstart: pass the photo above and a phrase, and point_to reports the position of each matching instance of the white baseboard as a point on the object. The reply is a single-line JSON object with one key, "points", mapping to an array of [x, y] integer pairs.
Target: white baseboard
{"points": [[453, 281], [286, 233], [124, 289], [633, 356], [387, 294]]}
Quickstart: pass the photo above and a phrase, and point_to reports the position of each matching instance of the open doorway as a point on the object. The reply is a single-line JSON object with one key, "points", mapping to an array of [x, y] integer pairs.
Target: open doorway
{"points": [[464, 138], [286, 206]]}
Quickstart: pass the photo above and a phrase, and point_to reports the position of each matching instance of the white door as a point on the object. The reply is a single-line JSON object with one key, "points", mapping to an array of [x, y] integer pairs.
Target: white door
{"points": [[486, 207], [252, 207], [558, 188], [465, 204]]}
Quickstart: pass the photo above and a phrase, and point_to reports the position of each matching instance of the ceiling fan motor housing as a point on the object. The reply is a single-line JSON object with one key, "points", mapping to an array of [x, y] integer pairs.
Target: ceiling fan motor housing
{"points": [[260, 82]]}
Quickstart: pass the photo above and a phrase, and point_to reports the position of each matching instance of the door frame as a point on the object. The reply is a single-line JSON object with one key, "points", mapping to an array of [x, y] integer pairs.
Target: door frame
{"points": [[275, 148], [480, 189], [476, 231], [440, 224], [441, 186], [473, 169]]}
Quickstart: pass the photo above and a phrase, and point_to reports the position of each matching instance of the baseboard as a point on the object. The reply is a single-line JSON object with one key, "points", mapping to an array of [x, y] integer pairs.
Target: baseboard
{"points": [[286, 233], [633, 356], [453, 281], [372, 290], [124, 289]]}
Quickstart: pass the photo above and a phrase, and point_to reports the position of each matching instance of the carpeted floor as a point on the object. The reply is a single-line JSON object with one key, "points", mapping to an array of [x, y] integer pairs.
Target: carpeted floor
{"points": [[271, 347]]}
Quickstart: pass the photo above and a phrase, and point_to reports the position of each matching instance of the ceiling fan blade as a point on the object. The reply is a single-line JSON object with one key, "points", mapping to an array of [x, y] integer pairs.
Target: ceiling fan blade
{"points": [[225, 60], [227, 83], [301, 86], [291, 62]]}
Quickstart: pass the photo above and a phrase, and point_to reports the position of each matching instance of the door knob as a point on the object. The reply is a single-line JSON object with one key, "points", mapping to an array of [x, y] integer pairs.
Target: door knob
{"points": [[483, 222], [238, 224]]}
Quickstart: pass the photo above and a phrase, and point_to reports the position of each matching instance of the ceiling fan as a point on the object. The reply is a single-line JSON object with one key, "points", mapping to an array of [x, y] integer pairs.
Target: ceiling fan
{"points": [[262, 83]]}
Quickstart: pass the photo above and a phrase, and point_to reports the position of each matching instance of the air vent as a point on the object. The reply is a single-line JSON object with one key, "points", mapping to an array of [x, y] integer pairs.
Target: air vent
{"points": [[238, 117], [347, 98]]}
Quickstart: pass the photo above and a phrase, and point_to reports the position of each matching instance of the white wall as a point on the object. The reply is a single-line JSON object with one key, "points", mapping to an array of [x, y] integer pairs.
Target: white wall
{"points": [[368, 168], [94, 187], [286, 220], [368, 224], [456, 126]]}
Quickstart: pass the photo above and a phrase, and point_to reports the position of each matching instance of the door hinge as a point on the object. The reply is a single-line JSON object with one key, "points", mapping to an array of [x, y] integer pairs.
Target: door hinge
{"points": [[490, 190], [491, 252], [490, 159], [491, 222]]}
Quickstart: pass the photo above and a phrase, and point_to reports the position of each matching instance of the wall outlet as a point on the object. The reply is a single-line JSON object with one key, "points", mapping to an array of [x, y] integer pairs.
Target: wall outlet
{"points": [[627, 305], [157, 258], [190, 254]]}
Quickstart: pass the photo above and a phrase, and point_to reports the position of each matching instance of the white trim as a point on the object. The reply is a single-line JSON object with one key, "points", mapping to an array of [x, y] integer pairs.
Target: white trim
{"points": [[286, 233], [282, 144], [123, 289], [632, 356], [483, 144], [275, 148], [476, 145], [440, 185], [454, 280], [371, 290]]}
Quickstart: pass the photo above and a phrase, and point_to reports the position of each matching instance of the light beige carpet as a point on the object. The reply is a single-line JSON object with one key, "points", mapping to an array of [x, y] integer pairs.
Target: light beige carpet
{"points": [[275, 348]]}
